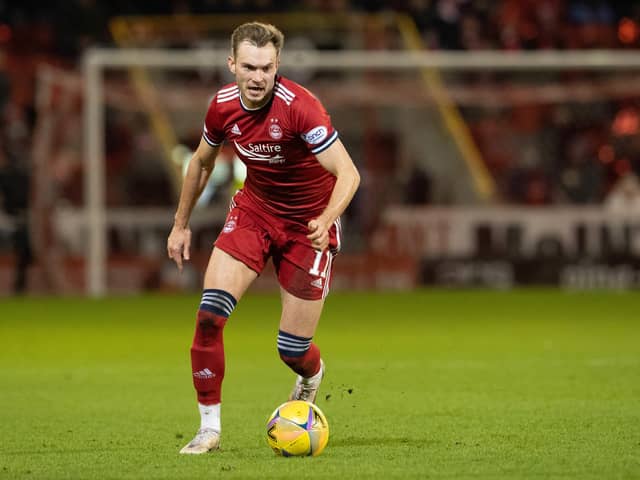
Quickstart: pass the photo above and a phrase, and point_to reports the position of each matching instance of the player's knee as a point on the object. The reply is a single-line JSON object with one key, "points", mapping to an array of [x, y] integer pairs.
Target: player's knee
{"points": [[292, 347]]}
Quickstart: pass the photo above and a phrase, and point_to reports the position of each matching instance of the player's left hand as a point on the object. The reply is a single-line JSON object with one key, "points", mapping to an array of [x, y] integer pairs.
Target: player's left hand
{"points": [[318, 233]]}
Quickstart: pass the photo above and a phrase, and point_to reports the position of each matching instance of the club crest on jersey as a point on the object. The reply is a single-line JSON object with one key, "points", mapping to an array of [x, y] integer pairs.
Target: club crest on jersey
{"points": [[275, 131], [315, 135]]}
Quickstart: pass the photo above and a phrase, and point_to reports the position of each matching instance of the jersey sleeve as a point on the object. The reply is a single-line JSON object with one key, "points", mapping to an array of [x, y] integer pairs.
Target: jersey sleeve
{"points": [[314, 124], [213, 132]]}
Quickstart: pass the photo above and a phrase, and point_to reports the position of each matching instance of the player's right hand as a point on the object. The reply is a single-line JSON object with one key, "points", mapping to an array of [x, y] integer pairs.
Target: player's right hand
{"points": [[178, 245], [318, 233]]}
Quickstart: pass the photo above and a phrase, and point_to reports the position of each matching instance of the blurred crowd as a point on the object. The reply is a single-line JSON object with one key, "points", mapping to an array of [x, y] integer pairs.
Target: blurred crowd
{"points": [[67, 27], [548, 153]]}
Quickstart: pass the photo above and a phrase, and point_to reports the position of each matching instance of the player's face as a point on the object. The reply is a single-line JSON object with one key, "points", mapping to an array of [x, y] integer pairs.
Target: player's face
{"points": [[255, 71]]}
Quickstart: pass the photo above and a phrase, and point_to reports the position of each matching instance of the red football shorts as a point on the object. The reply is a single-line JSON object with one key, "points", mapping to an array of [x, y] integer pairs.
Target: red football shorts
{"points": [[252, 236]]}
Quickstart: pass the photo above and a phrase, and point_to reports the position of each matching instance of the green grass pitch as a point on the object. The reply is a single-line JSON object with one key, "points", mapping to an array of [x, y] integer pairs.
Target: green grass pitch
{"points": [[430, 384]]}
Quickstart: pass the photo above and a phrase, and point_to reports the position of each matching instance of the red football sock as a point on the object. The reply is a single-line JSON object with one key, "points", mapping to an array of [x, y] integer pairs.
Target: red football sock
{"points": [[207, 357], [306, 365]]}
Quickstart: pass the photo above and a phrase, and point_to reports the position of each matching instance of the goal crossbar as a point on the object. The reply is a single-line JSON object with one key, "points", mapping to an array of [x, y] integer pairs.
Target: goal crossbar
{"points": [[381, 59]]}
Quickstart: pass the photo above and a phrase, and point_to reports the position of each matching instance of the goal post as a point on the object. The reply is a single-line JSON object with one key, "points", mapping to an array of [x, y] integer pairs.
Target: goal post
{"points": [[98, 61]]}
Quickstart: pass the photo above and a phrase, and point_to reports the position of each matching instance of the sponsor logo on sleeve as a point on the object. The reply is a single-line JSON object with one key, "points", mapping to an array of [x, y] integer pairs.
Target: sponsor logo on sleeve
{"points": [[315, 135]]}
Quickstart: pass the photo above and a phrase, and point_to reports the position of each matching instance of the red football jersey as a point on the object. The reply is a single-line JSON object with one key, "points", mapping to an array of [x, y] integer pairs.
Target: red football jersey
{"points": [[278, 143]]}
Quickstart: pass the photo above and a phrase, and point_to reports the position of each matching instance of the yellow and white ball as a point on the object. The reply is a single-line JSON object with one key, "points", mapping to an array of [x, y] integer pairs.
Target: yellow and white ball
{"points": [[297, 428]]}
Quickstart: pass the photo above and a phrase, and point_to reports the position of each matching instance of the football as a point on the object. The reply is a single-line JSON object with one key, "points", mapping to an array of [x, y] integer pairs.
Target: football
{"points": [[297, 428]]}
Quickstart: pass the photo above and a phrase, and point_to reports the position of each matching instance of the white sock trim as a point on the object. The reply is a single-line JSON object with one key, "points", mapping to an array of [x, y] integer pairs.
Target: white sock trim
{"points": [[210, 416]]}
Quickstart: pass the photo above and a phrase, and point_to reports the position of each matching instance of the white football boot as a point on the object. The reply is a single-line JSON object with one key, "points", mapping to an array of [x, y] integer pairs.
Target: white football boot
{"points": [[307, 388], [206, 439]]}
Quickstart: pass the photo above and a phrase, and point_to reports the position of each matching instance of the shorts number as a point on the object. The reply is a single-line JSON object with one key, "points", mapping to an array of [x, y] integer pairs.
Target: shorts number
{"points": [[315, 269]]}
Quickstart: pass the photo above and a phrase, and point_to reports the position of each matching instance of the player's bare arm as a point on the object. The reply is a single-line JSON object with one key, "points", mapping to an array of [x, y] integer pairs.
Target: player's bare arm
{"points": [[336, 160], [198, 172]]}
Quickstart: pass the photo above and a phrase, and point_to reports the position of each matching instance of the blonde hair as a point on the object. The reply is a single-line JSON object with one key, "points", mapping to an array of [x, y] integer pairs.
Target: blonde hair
{"points": [[258, 34]]}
